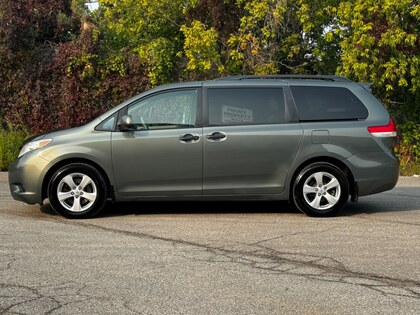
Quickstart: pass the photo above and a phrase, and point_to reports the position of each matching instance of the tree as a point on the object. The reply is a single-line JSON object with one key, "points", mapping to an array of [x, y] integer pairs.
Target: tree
{"points": [[263, 37], [58, 57], [381, 44], [29, 32], [150, 28], [55, 70]]}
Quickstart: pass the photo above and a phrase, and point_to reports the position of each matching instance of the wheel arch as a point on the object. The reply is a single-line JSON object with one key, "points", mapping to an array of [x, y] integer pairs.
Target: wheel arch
{"points": [[326, 159], [62, 163]]}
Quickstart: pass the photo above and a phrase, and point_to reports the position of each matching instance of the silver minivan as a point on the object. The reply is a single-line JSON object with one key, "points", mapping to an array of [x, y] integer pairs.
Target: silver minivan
{"points": [[314, 140]]}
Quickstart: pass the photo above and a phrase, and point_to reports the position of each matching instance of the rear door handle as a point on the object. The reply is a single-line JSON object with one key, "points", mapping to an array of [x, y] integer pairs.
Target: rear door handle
{"points": [[216, 136], [189, 137]]}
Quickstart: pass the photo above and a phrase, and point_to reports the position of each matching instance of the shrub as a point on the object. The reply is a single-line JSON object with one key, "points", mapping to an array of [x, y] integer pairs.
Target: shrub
{"points": [[10, 141], [408, 147]]}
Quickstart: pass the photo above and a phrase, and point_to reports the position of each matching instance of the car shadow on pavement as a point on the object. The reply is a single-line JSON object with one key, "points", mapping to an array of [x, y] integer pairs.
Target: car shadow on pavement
{"points": [[113, 209], [399, 199], [196, 207]]}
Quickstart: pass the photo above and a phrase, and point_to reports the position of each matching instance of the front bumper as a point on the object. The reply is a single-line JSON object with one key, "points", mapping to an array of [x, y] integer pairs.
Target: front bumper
{"points": [[26, 175]]}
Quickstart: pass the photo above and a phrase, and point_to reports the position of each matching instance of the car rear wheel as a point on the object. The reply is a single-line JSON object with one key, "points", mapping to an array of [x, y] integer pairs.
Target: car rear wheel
{"points": [[77, 191], [320, 189]]}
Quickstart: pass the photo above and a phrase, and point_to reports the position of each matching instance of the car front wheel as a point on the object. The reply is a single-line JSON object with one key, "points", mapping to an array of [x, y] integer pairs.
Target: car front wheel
{"points": [[320, 189], [77, 190]]}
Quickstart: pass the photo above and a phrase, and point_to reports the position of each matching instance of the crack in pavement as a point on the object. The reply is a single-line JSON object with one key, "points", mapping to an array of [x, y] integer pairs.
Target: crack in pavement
{"points": [[256, 256], [315, 267], [21, 299], [7, 260], [19, 296], [290, 234], [369, 218], [262, 258]]}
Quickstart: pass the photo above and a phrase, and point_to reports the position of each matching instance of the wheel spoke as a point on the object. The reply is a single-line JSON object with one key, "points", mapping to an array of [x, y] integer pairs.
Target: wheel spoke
{"points": [[319, 178], [332, 184], [86, 180], [90, 196], [316, 202], [76, 205], [309, 189], [69, 181], [332, 200], [64, 195]]}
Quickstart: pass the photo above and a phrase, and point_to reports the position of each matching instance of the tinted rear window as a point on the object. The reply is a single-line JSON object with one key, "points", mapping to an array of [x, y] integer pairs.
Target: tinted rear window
{"points": [[245, 106], [316, 103]]}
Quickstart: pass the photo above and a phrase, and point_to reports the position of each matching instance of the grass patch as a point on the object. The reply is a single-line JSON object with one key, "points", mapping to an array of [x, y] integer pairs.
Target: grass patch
{"points": [[410, 169], [10, 142]]}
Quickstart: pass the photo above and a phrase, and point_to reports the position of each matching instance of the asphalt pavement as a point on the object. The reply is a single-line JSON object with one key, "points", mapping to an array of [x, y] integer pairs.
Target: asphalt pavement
{"points": [[213, 258]]}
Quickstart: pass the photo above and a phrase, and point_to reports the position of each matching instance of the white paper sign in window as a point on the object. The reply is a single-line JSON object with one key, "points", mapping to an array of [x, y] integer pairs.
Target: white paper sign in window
{"points": [[231, 114]]}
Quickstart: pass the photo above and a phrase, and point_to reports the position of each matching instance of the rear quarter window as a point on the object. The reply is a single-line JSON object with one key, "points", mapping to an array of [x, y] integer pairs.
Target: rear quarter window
{"points": [[320, 103]]}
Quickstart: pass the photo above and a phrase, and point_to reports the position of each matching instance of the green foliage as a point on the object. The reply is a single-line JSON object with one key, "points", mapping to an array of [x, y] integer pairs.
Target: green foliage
{"points": [[79, 7], [158, 57], [410, 169], [148, 27], [321, 35], [409, 145], [253, 46], [201, 49], [381, 45], [285, 37], [85, 63], [10, 142], [47, 82]]}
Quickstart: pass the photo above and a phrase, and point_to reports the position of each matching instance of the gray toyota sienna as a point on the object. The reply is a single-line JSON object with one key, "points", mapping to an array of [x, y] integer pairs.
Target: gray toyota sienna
{"points": [[314, 140]]}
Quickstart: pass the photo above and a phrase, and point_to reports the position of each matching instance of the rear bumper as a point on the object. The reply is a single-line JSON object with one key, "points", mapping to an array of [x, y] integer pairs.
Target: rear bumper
{"points": [[374, 172]]}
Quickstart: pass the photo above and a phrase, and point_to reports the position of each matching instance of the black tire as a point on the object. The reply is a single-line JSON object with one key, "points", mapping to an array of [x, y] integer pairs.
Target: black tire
{"points": [[320, 189], [74, 199]]}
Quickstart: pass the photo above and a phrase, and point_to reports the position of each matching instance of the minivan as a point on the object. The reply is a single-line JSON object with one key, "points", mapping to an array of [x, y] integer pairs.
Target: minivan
{"points": [[316, 141]]}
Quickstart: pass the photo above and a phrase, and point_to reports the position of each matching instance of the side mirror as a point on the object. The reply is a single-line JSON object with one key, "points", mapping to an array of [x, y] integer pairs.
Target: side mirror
{"points": [[125, 123]]}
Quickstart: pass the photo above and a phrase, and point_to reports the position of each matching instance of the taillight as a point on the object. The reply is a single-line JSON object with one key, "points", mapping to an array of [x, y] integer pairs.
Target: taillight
{"points": [[384, 131]]}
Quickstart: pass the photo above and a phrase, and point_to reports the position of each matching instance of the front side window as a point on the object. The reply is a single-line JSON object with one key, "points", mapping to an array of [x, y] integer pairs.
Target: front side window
{"points": [[175, 109], [245, 106], [321, 103]]}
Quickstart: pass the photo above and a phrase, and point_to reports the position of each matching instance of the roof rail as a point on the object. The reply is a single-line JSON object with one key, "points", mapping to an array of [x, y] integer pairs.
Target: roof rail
{"points": [[335, 78]]}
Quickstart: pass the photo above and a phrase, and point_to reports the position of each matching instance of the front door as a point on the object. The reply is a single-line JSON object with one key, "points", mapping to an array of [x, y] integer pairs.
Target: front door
{"points": [[163, 155]]}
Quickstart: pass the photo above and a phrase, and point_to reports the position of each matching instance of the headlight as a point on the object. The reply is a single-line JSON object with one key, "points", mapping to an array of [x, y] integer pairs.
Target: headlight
{"points": [[33, 145]]}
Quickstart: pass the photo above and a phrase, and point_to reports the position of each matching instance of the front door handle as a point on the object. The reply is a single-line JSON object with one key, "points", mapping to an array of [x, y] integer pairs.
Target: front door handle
{"points": [[216, 136], [189, 137]]}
